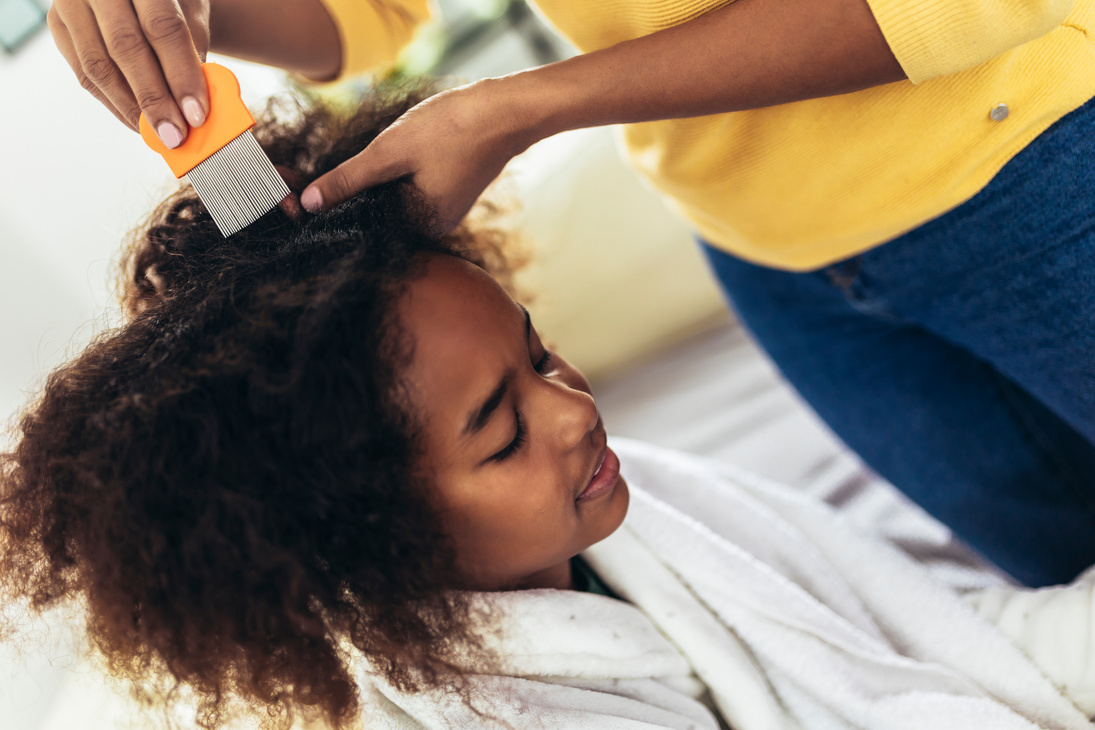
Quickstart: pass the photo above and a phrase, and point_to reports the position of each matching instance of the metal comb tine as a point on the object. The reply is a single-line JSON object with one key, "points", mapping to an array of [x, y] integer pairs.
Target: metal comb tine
{"points": [[238, 184]]}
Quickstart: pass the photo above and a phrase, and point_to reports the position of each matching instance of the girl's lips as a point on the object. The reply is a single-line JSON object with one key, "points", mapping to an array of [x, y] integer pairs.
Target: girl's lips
{"points": [[604, 478]]}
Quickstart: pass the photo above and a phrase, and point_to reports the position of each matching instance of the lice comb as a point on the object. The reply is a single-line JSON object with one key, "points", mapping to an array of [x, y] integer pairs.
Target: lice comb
{"points": [[222, 159]]}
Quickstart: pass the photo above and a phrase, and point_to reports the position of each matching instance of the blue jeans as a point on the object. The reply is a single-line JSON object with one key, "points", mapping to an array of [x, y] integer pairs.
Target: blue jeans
{"points": [[959, 360]]}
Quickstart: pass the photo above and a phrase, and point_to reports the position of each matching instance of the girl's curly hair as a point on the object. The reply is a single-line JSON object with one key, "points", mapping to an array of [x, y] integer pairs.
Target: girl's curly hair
{"points": [[226, 481]]}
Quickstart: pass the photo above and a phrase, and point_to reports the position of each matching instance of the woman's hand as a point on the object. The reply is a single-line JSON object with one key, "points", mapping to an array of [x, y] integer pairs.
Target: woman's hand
{"points": [[451, 146], [139, 55]]}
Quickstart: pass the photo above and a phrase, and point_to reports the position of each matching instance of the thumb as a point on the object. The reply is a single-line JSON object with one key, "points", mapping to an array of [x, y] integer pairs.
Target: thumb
{"points": [[364, 170]]}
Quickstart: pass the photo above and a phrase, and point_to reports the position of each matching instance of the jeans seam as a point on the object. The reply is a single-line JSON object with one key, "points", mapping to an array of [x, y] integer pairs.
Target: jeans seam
{"points": [[847, 276], [844, 274], [1030, 431]]}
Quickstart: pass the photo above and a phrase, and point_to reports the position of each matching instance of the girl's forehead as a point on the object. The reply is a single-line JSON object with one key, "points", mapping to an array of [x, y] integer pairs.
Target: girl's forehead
{"points": [[450, 289], [466, 332], [453, 292]]}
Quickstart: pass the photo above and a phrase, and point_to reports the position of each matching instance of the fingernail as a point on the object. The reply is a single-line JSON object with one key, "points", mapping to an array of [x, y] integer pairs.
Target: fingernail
{"points": [[312, 200], [169, 135], [193, 111]]}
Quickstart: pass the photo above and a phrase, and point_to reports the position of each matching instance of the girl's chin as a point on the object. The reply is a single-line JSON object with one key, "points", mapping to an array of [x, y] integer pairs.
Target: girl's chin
{"points": [[608, 513]]}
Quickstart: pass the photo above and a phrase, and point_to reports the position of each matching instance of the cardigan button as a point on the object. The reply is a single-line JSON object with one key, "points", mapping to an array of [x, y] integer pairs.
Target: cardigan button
{"points": [[999, 112]]}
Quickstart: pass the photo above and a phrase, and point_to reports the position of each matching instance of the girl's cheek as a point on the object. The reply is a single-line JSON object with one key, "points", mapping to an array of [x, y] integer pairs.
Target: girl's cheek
{"points": [[547, 501]]}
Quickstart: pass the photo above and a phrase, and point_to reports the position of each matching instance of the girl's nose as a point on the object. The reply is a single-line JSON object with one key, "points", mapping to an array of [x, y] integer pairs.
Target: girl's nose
{"points": [[575, 415]]}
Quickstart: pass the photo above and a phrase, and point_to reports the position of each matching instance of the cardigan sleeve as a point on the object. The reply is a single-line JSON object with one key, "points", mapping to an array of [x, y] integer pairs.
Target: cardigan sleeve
{"points": [[938, 37], [373, 32]]}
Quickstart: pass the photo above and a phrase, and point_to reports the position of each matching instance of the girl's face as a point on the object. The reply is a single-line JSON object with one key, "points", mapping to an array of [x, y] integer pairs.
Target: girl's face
{"points": [[514, 446]]}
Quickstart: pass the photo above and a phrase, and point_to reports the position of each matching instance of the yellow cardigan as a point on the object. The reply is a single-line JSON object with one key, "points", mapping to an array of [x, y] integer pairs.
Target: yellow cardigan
{"points": [[801, 185]]}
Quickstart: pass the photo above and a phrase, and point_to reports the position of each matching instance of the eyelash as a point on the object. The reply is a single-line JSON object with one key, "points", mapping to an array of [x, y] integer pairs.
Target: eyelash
{"points": [[542, 366], [520, 437], [518, 441]]}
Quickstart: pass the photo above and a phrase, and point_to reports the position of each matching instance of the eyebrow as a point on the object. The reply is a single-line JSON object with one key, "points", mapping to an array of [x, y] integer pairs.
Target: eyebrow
{"points": [[479, 417]]}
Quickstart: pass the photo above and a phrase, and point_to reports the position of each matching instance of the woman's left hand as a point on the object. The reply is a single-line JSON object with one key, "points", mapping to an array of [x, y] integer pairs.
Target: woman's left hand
{"points": [[451, 146]]}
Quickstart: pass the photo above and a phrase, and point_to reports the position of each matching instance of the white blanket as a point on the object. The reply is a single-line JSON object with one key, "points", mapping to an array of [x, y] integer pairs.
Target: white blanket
{"points": [[1054, 626], [764, 597]]}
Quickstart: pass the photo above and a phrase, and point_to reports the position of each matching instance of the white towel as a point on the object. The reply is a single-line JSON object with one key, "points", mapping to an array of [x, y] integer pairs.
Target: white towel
{"points": [[790, 617], [1054, 626]]}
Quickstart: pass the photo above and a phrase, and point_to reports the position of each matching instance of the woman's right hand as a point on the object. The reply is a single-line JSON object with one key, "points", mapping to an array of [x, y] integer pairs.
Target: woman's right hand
{"points": [[139, 56]]}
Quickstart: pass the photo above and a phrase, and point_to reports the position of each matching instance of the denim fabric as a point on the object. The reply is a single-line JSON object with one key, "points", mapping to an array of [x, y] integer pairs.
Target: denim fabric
{"points": [[959, 360]]}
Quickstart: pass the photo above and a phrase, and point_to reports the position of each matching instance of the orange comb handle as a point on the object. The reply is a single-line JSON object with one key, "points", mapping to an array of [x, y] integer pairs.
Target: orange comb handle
{"points": [[228, 118]]}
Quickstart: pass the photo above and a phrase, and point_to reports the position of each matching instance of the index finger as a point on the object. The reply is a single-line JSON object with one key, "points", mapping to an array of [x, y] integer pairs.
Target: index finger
{"points": [[128, 52], [167, 31]]}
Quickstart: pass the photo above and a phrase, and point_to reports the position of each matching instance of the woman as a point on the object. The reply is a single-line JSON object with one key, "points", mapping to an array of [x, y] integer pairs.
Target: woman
{"points": [[327, 470], [797, 137]]}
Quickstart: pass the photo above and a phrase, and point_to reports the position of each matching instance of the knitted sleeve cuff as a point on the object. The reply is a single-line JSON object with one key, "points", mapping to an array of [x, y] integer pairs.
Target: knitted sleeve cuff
{"points": [[373, 32]]}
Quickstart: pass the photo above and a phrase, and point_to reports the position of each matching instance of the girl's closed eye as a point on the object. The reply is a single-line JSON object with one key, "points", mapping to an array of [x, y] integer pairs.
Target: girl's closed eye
{"points": [[544, 363], [517, 443], [542, 366]]}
